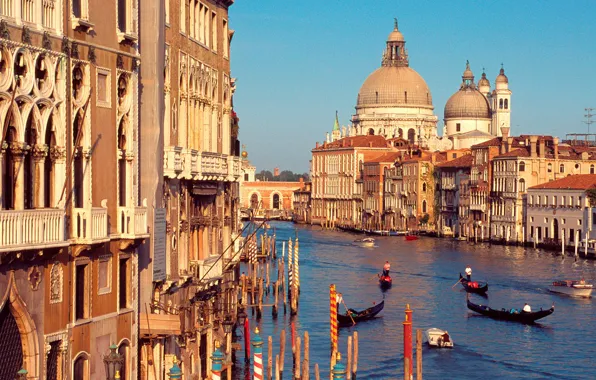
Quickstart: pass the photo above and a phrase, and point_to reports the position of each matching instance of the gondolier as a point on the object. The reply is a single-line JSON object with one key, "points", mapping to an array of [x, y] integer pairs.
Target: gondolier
{"points": [[469, 272], [338, 300], [386, 268], [527, 308]]}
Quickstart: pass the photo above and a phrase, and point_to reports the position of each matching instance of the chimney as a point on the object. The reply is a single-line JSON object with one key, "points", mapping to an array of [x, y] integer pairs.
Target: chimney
{"points": [[556, 144], [542, 148], [503, 149], [533, 140], [301, 183], [505, 132], [509, 144], [317, 145]]}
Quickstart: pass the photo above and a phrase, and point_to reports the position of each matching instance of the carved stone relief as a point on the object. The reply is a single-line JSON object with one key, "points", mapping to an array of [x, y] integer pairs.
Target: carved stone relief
{"points": [[56, 280]]}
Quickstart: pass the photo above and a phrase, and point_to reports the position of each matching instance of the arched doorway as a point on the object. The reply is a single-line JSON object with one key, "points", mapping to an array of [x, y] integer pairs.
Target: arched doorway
{"points": [[276, 201], [555, 228], [11, 349], [254, 201]]}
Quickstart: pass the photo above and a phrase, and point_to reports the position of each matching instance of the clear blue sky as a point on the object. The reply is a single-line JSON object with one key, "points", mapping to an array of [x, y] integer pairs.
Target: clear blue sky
{"points": [[297, 62]]}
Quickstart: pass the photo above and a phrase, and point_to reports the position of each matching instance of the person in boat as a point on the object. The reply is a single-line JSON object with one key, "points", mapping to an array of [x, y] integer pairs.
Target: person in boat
{"points": [[386, 269], [338, 300], [469, 273], [445, 338], [527, 308], [582, 281]]}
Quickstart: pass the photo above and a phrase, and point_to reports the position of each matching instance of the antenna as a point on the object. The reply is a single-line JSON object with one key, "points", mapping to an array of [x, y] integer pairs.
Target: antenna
{"points": [[588, 115]]}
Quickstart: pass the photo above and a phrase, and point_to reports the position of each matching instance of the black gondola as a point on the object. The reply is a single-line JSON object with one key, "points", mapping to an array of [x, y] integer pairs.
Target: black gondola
{"points": [[385, 282], [511, 315], [359, 316], [482, 287]]}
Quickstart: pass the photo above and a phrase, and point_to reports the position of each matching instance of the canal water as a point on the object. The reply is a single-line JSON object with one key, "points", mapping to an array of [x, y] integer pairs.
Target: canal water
{"points": [[562, 346]]}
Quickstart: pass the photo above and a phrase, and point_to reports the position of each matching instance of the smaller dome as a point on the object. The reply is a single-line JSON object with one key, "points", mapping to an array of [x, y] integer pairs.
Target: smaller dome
{"points": [[468, 74], [502, 78], [483, 81], [467, 103], [395, 35]]}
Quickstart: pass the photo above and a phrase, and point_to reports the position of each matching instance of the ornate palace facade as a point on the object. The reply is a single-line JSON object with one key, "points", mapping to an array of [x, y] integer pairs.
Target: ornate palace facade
{"points": [[70, 215]]}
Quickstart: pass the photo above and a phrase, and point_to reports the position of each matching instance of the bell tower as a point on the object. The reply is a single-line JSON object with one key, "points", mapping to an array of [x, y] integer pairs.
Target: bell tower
{"points": [[395, 53], [501, 104]]}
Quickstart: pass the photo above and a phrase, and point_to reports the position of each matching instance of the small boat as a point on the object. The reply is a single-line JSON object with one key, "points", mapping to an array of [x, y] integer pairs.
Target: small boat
{"points": [[410, 237], [385, 281], [365, 242], [572, 288], [438, 338], [461, 238], [478, 287], [511, 314], [359, 316]]}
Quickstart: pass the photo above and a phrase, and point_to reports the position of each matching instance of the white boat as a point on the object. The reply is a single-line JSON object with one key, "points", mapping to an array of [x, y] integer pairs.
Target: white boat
{"points": [[438, 338], [365, 242], [572, 288]]}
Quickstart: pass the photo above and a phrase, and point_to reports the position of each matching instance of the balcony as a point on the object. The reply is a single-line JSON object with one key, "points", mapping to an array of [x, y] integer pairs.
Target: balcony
{"points": [[502, 218], [508, 194], [32, 229], [173, 161], [234, 168], [132, 222], [448, 186], [214, 167], [90, 226], [477, 207], [207, 270]]}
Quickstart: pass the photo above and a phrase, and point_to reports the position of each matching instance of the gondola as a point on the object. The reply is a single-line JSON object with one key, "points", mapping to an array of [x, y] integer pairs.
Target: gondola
{"points": [[512, 314], [477, 287], [359, 316], [385, 282]]}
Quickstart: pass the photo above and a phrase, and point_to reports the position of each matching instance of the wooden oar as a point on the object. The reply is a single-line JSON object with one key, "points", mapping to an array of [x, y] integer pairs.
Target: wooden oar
{"points": [[458, 281], [373, 276], [348, 311]]}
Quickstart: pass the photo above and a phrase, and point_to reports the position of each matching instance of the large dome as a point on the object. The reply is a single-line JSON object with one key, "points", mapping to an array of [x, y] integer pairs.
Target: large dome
{"points": [[392, 86], [467, 103]]}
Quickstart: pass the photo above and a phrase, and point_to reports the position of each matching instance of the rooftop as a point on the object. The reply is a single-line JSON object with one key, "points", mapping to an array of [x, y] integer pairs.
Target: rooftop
{"points": [[572, 182], [365, 141], [464, 161]]}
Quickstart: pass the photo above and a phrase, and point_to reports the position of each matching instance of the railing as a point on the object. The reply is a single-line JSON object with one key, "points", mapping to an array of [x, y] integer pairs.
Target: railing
{"points": [[214, 165], [477, 207], [132, 221], [30, 229], [508, 194], [209, 269], [172, 162], [89, 225], [234, 168]]}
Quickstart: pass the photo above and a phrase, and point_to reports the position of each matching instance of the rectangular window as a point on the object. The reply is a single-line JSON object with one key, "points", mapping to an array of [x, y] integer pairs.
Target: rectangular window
{"points": [[226, 41], [167, 12], [81, 291], [214, 31], [104, 275], [182, 16], [104, 92], [122, 14], [80, 9], [594, 218], [458, 127], [124, 284]]}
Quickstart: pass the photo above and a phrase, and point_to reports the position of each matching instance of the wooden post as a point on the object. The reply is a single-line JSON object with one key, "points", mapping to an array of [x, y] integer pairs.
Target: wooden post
{"points": [[298, 372], [260, 303], [332, 362], [586, 246], [418, 354], [267, 278], [406, 368], [282, 350], [407, 324], [277, 373], [283, 284], [317, 377], [275, 303], [576, 238], [349, 362], [269, 357], [306, 369], [563, 243], [355, 359]]}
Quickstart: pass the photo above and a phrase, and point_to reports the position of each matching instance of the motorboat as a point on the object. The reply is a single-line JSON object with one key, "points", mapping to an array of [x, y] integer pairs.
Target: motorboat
{"points": [[365, 242], [572, 288], [438, 338]]}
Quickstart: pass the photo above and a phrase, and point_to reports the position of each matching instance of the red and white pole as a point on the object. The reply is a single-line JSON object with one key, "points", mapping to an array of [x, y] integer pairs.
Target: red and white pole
{"points": [[408, 338], [257, 343]]}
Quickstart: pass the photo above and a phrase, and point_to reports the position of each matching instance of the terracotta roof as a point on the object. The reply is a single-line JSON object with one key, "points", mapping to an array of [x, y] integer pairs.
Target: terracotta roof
{"points": [[520, 152], [464, 161], [364, 141], [494, 142], [385, 157], [572, 182]]}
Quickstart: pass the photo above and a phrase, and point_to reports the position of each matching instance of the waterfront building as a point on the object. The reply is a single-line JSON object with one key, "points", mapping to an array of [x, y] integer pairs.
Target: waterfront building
{"points": [[191, 170], [559, 210], [302, 204], [451, 177], [274, 199], [527, 161], [337, 182], [395, 101], [248, 169], [373, 181], [70, 215], [473, 114]]}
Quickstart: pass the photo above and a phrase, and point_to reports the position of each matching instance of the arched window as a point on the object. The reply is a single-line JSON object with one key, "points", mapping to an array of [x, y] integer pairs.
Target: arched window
{"points": [[501, 103], [506, 103], [522, 185], [549, 168], [562, 168], [522, 166], [276, 201], [79, 170], [411, 135], [371, 131], [124, 351], [80, 369], [254, 201], [592, 169], [424, 187], [424, 206]]}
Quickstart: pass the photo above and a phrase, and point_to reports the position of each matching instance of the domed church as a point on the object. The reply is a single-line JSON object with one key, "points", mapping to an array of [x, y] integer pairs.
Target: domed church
{"points": [[473, 114], [394, 100]]}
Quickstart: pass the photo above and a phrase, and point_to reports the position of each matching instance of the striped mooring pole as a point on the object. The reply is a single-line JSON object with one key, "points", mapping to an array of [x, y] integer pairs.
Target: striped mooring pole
{"points": [[333, 317], [257, 343], [339, 369], [217, 362]]}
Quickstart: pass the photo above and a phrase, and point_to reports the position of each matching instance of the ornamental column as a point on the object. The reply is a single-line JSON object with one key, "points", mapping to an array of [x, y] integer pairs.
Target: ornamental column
{"points": [[3, 148], [18, 151], [58, 157], [38, 155]]}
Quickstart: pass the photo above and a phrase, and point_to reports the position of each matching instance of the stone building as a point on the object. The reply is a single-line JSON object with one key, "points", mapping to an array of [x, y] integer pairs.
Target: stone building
{"points": [[374, 171], [450, 176], [275, 197], [302, 204], [70, 215], [189, 268]]}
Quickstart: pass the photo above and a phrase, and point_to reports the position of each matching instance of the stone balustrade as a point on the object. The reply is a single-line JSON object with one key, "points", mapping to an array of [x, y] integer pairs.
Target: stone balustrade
{"points": [[173, 161], [214, 166], [208, 269], [32, 229], [90, 225], [132, 221]]}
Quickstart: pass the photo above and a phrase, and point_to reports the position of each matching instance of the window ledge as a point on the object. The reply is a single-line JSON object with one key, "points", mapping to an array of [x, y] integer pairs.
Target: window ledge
{"points": [[127, 37], [80, 322], [126, 310], [82, 24]]}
